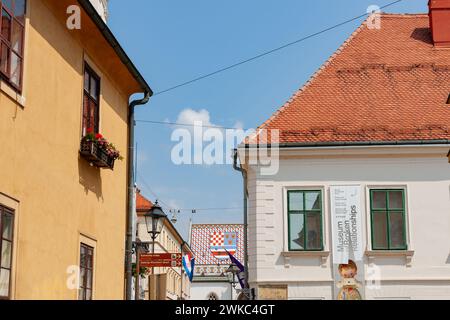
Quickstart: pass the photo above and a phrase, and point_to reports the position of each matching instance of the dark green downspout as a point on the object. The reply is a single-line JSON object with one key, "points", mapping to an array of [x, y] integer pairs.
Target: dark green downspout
{"points": [[245, 196], [131, 181]]}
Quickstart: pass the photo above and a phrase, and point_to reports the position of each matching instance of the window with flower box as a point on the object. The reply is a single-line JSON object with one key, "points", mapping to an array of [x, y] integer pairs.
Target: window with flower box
{"points": [[12, 26], [94, 148], [91, 101]]}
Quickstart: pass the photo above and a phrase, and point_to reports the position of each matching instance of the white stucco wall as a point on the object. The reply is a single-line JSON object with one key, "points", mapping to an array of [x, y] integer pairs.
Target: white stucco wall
{"points": [[202, 290], [424, 172]]}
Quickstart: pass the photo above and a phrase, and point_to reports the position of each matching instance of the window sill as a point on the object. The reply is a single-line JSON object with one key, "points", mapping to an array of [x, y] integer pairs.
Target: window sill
{"points": [[407, 254], [12, 93], [323, 255]]}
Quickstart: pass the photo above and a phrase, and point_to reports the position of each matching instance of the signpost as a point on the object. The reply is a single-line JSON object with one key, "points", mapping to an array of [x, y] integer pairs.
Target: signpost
{"points": [[160, 260]]}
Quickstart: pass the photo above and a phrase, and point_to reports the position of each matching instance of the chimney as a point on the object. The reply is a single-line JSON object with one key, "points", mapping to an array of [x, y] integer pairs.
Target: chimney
{"points": [[440, 22]]}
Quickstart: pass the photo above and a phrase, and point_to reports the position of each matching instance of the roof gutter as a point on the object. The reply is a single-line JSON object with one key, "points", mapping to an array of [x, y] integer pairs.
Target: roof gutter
{"points": [[111, 39], [131, 186], [350, 144], [245, 202]]}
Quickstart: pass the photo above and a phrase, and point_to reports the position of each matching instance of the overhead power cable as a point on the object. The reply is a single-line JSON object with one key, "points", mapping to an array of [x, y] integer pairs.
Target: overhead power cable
{"points": [[185, 124], [263, 54], [191, 210]]}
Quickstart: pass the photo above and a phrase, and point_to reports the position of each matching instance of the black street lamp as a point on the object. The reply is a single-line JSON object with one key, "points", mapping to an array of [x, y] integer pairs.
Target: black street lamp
{"points": [[154, 220]]}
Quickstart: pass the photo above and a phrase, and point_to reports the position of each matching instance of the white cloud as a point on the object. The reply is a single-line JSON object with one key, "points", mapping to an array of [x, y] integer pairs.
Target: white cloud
{"points": [[190, 116], [202, 142], [239, 125]]}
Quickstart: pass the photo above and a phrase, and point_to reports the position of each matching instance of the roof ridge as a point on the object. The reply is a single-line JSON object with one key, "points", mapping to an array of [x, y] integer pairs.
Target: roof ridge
{"points": [[312, 78]]}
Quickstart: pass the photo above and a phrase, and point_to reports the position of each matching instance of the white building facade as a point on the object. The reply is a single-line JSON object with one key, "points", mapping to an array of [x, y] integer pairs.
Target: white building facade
{"points": [[357, 202], [420, 270]]}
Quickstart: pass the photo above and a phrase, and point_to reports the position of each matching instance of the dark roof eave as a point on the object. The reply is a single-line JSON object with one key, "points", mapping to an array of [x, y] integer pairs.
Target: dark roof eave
{"points": [[351, 144], [109, 36]]}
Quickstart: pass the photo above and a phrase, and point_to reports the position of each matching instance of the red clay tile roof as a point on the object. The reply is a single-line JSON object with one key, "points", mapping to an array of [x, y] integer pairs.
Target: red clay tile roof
{"points": [[383, 85], [142, 204]]}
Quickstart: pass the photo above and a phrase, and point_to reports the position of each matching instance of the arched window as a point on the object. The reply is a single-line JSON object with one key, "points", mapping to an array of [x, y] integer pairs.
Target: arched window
{"points": [[213, 296]]}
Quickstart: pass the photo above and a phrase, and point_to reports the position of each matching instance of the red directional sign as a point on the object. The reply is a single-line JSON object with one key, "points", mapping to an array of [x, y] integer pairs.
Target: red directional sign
{"points": [[166, 260]]}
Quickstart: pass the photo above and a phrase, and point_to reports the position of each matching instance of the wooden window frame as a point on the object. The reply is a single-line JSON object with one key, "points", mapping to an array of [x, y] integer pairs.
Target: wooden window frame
{"points": [[388, 211], [304, 212], [87, 94], [3, 211], [7, 76], [83, 286]]}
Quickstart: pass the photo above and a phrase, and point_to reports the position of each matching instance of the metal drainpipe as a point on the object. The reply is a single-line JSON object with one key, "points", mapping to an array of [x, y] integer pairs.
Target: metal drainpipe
{"points": [[129, 234], [244, 176]]}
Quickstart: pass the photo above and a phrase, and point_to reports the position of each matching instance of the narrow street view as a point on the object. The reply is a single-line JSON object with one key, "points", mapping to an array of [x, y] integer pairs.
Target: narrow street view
{"points": [[236, 151]]}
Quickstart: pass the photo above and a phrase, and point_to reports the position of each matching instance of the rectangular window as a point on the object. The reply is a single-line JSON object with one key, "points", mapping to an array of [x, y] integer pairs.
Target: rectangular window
{"points": [[6, 247], [305, 220], [12, 26], [387, 209], [91, 101], [86, 272]]}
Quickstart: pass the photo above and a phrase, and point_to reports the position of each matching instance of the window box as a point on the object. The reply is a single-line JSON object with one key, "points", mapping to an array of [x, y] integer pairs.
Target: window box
{"points": [[98, 157]]}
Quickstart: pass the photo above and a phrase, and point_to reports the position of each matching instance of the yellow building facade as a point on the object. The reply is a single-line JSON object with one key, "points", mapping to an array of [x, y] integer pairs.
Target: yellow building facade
{"points": [[65, 212]]}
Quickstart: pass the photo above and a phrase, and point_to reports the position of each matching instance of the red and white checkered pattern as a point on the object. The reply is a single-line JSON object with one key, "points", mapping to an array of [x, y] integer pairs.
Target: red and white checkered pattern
{"points": [[201, 236], [217, 239]]}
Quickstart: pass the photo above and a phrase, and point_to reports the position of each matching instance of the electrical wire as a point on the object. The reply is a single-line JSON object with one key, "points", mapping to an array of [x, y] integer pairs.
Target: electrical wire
{"points": [[263, 54], [191, 210], [185, 124], [208, 75]]}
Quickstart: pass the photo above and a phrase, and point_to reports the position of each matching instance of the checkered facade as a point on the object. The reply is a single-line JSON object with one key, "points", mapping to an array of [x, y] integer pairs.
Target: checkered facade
{"points": [[204, 235], [217, 238]]}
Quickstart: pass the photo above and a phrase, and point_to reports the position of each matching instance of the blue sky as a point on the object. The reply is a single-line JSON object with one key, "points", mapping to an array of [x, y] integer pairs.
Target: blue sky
{"points": [[173, 41]]}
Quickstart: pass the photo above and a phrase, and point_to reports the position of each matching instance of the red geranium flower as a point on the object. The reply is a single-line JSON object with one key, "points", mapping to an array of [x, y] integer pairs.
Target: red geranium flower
{"points": [[90, 130], [98, 136]]}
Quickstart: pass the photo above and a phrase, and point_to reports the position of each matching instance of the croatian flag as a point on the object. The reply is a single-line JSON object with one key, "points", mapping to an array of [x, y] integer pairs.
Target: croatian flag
{"points": [[188, 265]]}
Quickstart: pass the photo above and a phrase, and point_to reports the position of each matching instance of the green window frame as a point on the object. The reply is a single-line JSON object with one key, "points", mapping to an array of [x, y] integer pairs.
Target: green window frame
{"points": [[302, 217], [388, 219]]}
